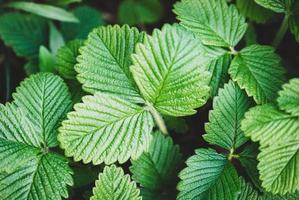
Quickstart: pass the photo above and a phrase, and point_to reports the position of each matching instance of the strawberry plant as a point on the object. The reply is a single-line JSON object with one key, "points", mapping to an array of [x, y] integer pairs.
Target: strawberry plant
{"points": [[199, 107]]}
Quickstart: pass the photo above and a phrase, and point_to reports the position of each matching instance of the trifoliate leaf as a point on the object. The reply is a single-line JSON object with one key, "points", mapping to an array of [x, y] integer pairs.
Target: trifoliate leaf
{"points": [[27, 130], [66, 59], [169, 69], [208, 176], [252, 10], [288, 99], [224, 126], [105, 60], [56, 39], [46, 100], [257, 69], [89, 19], [248, 159], [279, 6], [213, 21], [45, 177], [113, 184], [219, 69], [105, 128], [25, 34], [157, 167], [44, 10], [46, 60], [279, 166], [268, 125], [139, 12]]}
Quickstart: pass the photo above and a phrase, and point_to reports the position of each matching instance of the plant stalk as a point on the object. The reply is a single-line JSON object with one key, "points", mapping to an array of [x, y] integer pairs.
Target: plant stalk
{"points": [[232, 155], [158, 118], [281, 32], [7, 82]]}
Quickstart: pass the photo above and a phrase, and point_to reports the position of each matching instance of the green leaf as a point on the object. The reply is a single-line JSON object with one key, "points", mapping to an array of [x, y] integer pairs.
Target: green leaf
{"points": [[113, 184], [288, 99], [252, 10], [279, 166], [56, 39], [214, 22], [156, 168], [176, 124], [229, 107], [139, 12], [89, 19], [208, 176], [28, 128], [248, 193], [32, 66], [278, 6], [248, 159], [268, 125], [64, 2], [46, 60], [46, 98], [45, 177], [66, 59], [43, 10], [25, 34], [105, 60], [169, 69], [250, 37], [257, 69], [105, 128]]}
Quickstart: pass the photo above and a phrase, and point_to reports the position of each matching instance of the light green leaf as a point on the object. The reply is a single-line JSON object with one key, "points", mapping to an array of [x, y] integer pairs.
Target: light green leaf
{"points": [[66, 59], [257, 69], [113, 184], [44, 10], [25, 34], [224, 126], [56, 39], [139, 12], [208, 176], [105, 60], [64, 2], [46, 60], [169, 69], [214, 22], [279, 166], [248, 193], [46, 99], [156, 168], [27, 131], [89, 19], [252, 10], [288, 99], [279, 6], [45, 177], [268, 125], [105, 128]]}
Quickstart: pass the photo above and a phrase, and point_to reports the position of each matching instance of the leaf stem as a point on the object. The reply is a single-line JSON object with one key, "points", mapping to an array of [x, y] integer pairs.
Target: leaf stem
{"points": [[158, 118], [232, 155], [281, 32], [233, 51]]}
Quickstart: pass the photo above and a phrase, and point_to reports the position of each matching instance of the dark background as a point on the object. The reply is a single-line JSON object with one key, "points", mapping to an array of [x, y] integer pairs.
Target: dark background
{"points": [[13, 73]]}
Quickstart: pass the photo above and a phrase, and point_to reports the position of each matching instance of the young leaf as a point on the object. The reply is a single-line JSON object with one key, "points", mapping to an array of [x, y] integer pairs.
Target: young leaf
{"points": [[89, 19], [294, 24], [208, 176], [279, 6], [288, 99], [105, 60], [157, 167], [27, 130], [105, 128], [213, 21], [139, 12], [56, 39], [224, 126], [46, 60], [24, 33], [268, 125], [43, 10], [257, 69], [169, 69], [66, 59], [252, 10]]}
